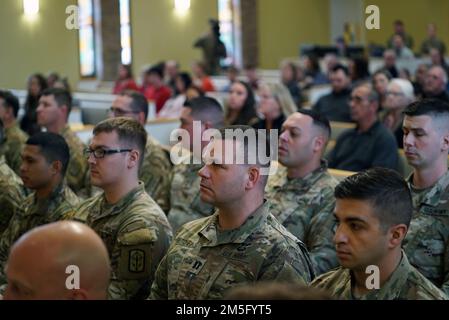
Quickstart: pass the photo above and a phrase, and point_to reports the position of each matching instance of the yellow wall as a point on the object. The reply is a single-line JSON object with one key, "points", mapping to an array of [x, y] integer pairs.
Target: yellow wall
{"points": [[416, 14], [160, 34], [42, 45], [285, 24]]}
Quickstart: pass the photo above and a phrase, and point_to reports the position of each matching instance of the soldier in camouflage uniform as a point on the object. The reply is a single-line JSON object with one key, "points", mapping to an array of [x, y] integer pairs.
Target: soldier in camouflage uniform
{"points": [[52, 113], [15, 137], [133, 227], [156, 167], [426, 145], [373, 212], [11, 187], [302, 191], [45, 159], [185, 202], [241, 243]]}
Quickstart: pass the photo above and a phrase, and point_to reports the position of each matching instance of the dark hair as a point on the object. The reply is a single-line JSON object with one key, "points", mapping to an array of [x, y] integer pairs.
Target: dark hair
{"points": [[361, 70], [10, 101], [129, 132], [62, 97], [430, 107], [139, 103], [248, 111], [186, 79], [206, 109], [314, 62], [386, 191], [41, 79], [293, 69], [129, 70], [53, 147], [319, 120], [399, 22], [341, 67], [157, 70], [2, 132], [385, 72]]}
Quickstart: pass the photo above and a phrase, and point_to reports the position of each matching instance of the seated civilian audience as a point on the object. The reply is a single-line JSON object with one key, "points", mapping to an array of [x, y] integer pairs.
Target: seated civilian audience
{"points": [[358, 70], [335, 105], [200, 77], [435, 84], [171, 71], [420, 79], [399, 29], [276, 104], [289, 76], [437, 59], [157, 91], [252, 77], [313, 73], [241, 107], [173, 107], [390, 63], [36, 84], [52, 78], [368, 145], [399, 95], [381, 79], [232, 74], [125, 80], [402, 51], [432, 41]]}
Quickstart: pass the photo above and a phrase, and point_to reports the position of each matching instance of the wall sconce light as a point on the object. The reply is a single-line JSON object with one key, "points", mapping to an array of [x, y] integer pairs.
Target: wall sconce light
{"points": [[182, 6], [30, 7]]}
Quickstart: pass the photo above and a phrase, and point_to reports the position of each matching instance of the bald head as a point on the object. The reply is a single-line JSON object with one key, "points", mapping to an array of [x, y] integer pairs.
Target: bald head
{"points": [[50, 261]]}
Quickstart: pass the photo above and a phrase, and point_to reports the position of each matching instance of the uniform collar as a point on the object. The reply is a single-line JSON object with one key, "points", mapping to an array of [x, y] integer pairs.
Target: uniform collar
{"points": [[300, 183], [239, 235], [436, 192]]}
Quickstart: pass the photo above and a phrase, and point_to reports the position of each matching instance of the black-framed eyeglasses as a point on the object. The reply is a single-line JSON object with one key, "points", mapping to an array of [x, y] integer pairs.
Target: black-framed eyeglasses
{"points": [[120, 112], [101, 153]]}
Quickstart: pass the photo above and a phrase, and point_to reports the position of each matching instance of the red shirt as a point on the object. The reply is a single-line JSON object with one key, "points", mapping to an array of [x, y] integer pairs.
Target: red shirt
{"points": [[121, 85], [158, 95], [207, 85]]}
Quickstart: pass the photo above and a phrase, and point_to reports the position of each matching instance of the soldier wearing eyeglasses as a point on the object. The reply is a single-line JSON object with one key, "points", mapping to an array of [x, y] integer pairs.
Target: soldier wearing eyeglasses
{"points": [[133, 227], [156, 166]]}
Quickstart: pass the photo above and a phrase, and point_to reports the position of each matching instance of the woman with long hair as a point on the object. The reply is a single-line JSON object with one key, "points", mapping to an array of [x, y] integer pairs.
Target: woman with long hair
{"points": [[241, 106], [36, 84]]}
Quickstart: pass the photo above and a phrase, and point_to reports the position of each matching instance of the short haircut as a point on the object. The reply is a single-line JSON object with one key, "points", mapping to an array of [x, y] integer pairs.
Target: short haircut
{"points": [[262, 139], [405, 86], [341, 67], [62, 97], [10, 101], [53, 147], [139, 103], [434, 108], [206, 109], [385, 190], [129, 131], [385, 72], [319, 120], [373, 95]]}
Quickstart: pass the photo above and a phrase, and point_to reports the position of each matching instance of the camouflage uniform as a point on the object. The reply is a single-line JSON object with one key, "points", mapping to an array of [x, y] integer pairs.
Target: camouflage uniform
{"points": [[155, 173], [77, 169], [60, 205], [427, 241], [405, 283], [305, 207], [137, 235], [203, 262], [11, 194], [185, 202], [15, 140]]}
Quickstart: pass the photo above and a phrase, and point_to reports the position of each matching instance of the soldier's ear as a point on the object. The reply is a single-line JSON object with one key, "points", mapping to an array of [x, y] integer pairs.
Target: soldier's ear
{"points": [[397, 235], [133, 159], [56, 167], [445, 142], [253, 177]]}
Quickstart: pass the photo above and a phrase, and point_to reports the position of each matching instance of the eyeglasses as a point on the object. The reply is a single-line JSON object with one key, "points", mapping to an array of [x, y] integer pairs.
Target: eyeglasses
{"points": [[117, 112], [396, 94], [101, 153]]}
